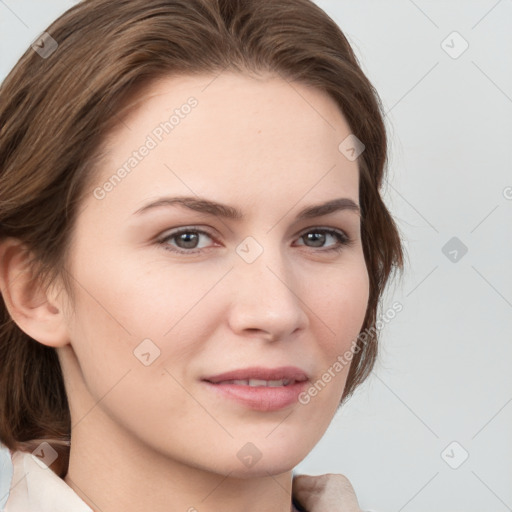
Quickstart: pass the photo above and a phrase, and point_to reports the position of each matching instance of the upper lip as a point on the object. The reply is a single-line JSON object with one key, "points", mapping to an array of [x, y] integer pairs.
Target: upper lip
{"points": [[291, 373]]}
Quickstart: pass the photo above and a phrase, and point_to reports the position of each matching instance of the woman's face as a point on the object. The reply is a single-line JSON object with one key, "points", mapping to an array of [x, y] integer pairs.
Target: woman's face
{"points": [[159, 315]]}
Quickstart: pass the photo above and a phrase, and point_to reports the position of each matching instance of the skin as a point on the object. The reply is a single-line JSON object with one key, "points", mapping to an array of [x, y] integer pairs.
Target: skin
{"points": [[269, 148]]}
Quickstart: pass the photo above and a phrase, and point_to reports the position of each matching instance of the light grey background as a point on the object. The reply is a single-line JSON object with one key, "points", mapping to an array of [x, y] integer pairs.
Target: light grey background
{"points": [[443, 375]]}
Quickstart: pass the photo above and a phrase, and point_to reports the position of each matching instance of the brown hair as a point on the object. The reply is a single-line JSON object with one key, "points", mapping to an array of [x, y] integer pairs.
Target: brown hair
{"points": [[56, 110]]}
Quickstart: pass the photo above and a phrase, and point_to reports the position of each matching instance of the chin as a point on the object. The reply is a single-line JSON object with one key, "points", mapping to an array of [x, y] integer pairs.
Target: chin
{"points": [[253, 462], [261, 469]]}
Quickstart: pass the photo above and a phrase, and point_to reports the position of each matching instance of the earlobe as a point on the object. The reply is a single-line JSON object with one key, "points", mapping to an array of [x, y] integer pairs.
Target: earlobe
{"points": [[36, 313]]}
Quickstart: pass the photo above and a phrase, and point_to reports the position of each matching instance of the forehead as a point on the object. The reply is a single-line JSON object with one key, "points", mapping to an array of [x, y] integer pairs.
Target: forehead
{"points": [[229, 104], [231, 135], [228, 90]]}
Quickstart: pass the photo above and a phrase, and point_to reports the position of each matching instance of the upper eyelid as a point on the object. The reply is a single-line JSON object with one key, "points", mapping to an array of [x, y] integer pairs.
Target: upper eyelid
{"points": [[201, 229]]}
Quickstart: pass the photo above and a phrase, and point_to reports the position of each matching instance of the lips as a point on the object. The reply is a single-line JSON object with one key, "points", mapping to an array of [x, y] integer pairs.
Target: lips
{"points": [[260, 389], [258, 376]]}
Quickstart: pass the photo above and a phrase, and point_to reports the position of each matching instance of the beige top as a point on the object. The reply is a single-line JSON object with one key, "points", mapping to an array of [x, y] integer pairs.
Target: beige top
{"points": [[35, 488]]}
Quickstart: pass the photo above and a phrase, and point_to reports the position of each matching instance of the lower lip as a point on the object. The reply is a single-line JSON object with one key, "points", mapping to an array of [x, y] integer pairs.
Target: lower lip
{"points": [[261, 398]]}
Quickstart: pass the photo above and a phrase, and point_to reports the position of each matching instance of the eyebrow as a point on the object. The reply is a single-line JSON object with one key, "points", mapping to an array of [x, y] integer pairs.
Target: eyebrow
{"points": [[209, 207]]}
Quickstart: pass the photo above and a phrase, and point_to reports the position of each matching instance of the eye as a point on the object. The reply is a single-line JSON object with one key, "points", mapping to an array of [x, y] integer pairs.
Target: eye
{"points": [[186, 240], [318, 237]]}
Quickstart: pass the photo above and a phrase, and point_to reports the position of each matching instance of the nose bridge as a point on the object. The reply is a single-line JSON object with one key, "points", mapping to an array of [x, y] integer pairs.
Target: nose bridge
{"points": [[265, 262], [266, 297]]}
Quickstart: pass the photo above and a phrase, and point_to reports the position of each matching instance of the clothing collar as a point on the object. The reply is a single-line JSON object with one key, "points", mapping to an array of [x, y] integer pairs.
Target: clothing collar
{"points": [[35, 488]]}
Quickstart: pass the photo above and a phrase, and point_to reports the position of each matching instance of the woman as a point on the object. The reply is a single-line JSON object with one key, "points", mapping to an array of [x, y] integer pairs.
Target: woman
{"points": [[193, 249]]}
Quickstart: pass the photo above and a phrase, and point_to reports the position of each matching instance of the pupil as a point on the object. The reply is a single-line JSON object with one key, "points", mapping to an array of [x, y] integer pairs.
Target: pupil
{"points": [[317, 237], [185, 237]]}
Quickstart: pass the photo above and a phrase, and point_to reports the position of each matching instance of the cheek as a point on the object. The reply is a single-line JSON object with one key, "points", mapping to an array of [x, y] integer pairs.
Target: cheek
{"points": [[126, 372], [343, 309], [140, 325], [352, 306], [341, 299]]}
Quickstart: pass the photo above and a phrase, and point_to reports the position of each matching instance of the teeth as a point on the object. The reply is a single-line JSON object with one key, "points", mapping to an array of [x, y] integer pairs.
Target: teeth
{"points": [[258, 383], [276, 383], [239, 382]]}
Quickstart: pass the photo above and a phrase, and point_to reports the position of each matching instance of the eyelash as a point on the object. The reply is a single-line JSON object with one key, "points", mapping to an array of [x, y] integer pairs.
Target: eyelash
{"points": [[343, 240]]}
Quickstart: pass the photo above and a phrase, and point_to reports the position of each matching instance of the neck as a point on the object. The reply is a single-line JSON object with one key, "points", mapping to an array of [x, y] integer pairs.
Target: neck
{"points": [[108, 476]]}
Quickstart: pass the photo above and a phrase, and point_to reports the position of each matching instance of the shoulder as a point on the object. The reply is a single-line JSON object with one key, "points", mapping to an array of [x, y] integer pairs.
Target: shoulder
{"points": [[330, 491]]}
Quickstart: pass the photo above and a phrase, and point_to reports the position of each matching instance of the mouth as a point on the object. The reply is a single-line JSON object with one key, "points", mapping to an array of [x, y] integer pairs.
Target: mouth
{"points": [[256, 383], [261, 389], [259, 376]]}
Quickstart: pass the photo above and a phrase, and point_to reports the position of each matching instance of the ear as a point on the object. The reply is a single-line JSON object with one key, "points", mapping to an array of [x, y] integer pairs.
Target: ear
{"points": [[36, 313]]}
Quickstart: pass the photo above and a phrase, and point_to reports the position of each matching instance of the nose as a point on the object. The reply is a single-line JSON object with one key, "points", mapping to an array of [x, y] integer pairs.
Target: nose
{"points": [[267, 300]]}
